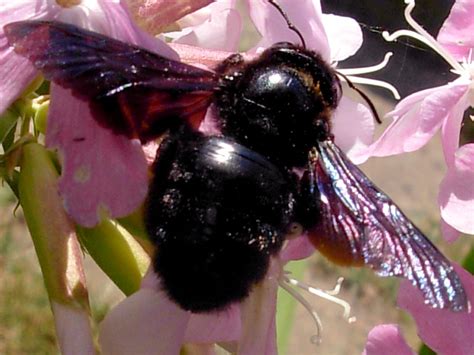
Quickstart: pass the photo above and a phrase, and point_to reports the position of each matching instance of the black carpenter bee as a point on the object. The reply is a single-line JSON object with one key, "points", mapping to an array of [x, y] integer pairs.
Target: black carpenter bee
{"points": [[219, 206]]}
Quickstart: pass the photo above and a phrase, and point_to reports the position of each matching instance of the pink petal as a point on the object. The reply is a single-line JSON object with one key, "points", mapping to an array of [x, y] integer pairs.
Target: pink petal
{"points": [[199, 56], [304, 14], [118, 24], [446, 332], [456, 33], [353, 128], [456, 195], [112, 19], [449, 233], [145, 323], [215, 327], [102, 172], [108, 174], [345, 36], [258, 316], [73, 329], [221, 29], [386, 339], [417, 118], [17, 72], [451, 128], [155, 15], [297, 249]]}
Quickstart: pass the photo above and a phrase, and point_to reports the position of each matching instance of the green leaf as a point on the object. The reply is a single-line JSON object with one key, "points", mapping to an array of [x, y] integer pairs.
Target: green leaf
{"points": [[286, 307]]}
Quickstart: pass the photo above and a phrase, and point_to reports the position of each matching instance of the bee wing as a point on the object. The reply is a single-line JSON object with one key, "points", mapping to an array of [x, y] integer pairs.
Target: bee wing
{"points": [[130, 89], [358, 224]]}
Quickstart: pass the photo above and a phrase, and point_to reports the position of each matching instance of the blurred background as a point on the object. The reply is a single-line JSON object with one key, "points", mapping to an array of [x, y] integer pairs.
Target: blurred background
{"points": [[412, 180]]}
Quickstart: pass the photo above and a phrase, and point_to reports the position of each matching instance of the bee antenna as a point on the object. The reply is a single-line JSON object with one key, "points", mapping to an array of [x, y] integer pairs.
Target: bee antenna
{"points": [[288, 22], [363, 95]]}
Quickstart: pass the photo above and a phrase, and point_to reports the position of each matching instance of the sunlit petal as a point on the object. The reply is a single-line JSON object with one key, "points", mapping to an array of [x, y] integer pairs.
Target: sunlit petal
{"points": [[145, 323], [16, 72], [417, 118], [456, 195], [456, 34], [353, 128], [451, 128], [304, 14], [345, 36], [103, 173], [221, 29], [155, 15]]}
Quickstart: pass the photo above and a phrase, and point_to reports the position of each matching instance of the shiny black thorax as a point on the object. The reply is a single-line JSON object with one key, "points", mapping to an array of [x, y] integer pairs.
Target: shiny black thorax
{"points": [[280, 104], [217, 211]]}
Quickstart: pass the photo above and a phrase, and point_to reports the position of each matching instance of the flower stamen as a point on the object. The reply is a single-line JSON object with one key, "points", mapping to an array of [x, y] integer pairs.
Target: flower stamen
{"points": [[337, 288], [421, 35], [327, 296], [370, 69], [375, 82], [350, 73], [317, 338]]}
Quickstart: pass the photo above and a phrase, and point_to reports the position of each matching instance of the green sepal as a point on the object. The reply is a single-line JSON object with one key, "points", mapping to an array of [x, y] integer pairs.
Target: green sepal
{"points": [[116, 252], [51, 229], [8, 121], [41, 115], [134, 223]]}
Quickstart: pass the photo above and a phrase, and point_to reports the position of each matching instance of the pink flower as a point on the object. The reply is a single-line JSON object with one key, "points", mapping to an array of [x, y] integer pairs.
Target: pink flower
{"points": [[456, 193], [103, 174], [443, 331], [419, 116]]}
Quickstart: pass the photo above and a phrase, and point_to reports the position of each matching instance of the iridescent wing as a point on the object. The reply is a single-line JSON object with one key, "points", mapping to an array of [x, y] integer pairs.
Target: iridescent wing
{"points": [[358, 224], [131, 90]]}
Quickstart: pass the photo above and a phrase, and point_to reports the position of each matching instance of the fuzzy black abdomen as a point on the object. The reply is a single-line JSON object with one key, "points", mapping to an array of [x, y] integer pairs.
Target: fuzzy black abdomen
{"points": [[216, 211]]}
